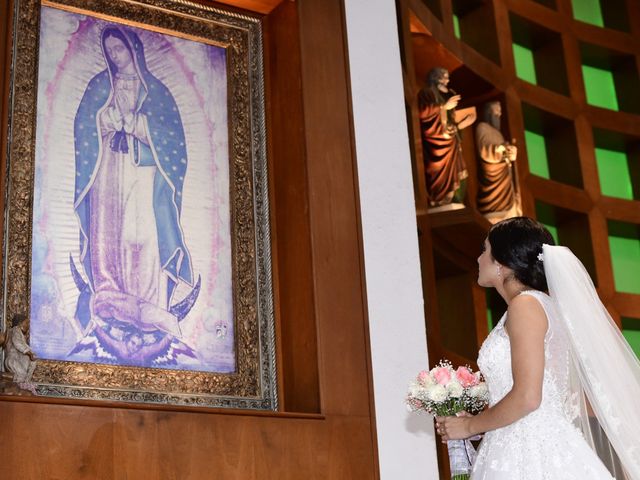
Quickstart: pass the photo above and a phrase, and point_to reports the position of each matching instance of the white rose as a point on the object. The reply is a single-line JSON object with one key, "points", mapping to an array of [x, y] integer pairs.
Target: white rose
{"points": [[436, 393], [414, 390], [455, 389], [478, 391]]}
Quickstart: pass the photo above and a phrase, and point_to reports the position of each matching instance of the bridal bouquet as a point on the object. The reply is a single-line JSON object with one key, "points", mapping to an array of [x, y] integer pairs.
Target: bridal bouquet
{"points": [[443, 391]]}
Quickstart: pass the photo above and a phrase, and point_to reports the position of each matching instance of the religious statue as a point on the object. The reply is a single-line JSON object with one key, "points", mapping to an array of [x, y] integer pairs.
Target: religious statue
{"points": [[131, 160], [440, 126], [498, 196], [19, 359]]}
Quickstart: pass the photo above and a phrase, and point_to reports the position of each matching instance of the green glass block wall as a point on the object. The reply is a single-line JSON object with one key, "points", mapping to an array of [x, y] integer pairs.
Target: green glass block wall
{"points": [[588, 11], [525, 65], [546, 216], [490, 321], [631, 332], [495, 308], [553, 230], [624, 242], [614, 174], [600, 87], [456, 26], [537, 154]]}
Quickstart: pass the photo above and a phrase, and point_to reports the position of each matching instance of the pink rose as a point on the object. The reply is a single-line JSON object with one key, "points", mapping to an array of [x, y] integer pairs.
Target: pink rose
{"points": [[424, 378], [465, 377], [442, 375]]}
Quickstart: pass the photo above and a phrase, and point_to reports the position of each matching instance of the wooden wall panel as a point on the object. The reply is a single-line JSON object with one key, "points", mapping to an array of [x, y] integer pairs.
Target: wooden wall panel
{"points": [[63, 442], [333, 204], [291, 232], [320, 308]]}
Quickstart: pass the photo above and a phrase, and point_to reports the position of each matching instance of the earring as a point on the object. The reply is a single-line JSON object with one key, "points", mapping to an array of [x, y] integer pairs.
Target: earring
{"points": [[499, 270]]}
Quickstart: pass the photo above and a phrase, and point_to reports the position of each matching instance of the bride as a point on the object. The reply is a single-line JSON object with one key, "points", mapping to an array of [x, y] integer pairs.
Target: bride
{"points": [[564, 386]]}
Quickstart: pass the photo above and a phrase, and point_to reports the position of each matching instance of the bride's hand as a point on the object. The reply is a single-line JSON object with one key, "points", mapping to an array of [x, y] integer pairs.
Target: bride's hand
{"points": [[454, 428]]}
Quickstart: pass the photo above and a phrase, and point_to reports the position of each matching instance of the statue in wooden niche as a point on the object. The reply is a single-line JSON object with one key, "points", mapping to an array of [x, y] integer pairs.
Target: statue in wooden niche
{"points": [[440, 126], [498, 195]]}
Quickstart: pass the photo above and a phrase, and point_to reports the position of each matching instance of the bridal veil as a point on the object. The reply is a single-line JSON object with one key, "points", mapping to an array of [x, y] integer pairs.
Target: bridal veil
{"points": [[605, 372]]}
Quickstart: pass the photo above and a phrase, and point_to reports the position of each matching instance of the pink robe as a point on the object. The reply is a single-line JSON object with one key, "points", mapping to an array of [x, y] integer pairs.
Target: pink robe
{"points": [[128, 279]]}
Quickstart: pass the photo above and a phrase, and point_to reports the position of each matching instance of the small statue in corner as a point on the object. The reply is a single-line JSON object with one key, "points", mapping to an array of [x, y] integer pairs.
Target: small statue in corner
{"points": [[19, 359]]}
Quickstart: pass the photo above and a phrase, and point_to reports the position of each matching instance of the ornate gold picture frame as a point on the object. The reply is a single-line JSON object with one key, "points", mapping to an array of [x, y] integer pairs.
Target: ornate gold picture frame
{"points": [[137, 235]]}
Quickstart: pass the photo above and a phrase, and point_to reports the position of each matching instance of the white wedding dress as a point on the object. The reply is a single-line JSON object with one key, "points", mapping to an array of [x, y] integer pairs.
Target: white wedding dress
{"points": [[545, 444]]}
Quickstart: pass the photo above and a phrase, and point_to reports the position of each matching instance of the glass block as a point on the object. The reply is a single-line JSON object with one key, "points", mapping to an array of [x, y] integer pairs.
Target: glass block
{"points": [[631, 332], [618, 160], [610, 78], [624, 243], [588, 11], [571, 229], [552, 146], [525, 65], [614, 174], [495, 307], [538, 54], [537, 154], [468, 15], [546, 216], [600, 87]]}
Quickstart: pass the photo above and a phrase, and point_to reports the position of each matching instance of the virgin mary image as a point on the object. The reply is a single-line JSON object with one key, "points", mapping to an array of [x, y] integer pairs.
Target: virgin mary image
{"points": [[130, 165]]}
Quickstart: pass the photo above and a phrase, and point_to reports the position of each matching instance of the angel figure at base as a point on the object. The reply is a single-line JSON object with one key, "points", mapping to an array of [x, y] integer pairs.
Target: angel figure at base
{"points": [[19, 359], [563, 383]]}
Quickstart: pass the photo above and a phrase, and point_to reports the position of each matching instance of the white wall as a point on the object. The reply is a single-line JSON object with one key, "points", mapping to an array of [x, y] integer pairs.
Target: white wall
{"points": [[406, 442]]}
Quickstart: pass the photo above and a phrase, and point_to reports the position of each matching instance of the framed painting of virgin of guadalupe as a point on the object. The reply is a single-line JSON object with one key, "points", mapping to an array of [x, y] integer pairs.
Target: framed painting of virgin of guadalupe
{"points": [[137, 165]]}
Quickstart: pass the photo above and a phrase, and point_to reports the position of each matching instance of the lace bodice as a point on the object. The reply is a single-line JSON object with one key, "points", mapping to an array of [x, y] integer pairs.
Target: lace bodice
{"points": [[543, 444], [494, 360]]}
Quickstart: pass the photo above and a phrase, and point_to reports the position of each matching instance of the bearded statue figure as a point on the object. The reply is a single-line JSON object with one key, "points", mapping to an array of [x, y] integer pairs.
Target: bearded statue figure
{"points": [[440, 126], [498, 196]]}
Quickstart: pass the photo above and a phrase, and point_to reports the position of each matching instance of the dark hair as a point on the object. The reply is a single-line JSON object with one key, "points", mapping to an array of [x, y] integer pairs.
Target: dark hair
{"points": [[17, 319], [430, 94], [434, 75], [487, 110], [516, 243]]}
